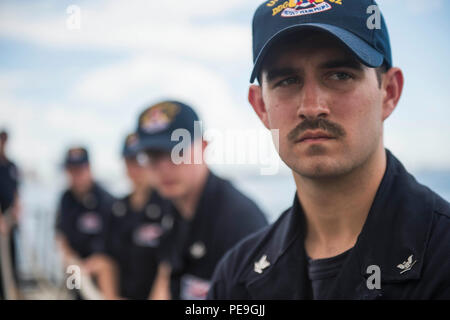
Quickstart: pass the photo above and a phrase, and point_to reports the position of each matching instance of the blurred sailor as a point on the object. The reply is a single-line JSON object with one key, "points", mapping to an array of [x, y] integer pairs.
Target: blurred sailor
{"points": [[211, 215], [138, 225], [82, 222], [9, 211]]}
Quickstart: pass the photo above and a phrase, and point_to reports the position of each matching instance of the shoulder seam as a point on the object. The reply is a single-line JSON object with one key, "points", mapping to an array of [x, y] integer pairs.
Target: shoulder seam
{"points": [[446, 215]]}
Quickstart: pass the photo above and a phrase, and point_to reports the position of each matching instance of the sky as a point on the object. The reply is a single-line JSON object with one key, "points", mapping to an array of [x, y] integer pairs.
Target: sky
{"points": [[61, 86]]}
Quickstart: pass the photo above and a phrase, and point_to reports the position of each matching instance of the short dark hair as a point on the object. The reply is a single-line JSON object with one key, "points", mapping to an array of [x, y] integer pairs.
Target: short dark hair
{"points": [[380, 71]]}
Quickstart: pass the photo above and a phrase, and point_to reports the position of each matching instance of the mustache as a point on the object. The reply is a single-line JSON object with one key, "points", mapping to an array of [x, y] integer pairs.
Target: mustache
{"points": [[332, 128]]}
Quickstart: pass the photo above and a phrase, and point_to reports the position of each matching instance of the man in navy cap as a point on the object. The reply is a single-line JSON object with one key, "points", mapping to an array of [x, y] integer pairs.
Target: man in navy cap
{"points": [[83, 222], [9, 177], [9, 204], [138, 225], [361, 227], [211, 215]]}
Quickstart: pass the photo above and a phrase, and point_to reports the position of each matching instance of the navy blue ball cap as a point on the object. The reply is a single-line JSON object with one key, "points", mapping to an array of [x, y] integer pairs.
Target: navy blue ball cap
{"points": [[3, 135], [347, 20], [130, 146], [157, 123], [76, 156]]}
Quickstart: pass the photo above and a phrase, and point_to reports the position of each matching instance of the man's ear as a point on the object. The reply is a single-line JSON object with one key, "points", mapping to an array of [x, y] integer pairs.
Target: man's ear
{"points": [[392, 86], [256, 100]]}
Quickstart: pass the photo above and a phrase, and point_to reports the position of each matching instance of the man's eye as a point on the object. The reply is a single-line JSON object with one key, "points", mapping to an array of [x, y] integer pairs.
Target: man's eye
{"points": [[340, 76], [288, 81]]}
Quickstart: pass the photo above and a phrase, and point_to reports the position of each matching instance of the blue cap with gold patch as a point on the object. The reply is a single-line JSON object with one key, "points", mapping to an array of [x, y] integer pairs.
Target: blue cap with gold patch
{"points": [[358, 24], [157, 123], [130, 146], [76, 156]]}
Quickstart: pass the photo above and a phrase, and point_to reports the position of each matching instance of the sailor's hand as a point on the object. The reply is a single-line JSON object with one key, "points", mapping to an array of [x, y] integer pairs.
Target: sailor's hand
{"points": [[104, 269], [3, 227], [97, 263]]}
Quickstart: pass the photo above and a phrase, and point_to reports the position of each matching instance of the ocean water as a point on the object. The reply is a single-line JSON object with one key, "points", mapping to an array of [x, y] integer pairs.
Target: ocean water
{"points": [[274, 194]]}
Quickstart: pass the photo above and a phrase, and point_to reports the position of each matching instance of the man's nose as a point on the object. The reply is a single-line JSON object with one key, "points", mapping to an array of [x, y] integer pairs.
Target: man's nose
{"points": [[312, 102]]}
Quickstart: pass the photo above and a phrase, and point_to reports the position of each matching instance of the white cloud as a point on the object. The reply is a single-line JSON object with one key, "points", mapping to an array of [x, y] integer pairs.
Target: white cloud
{"points": [[419, 7], [153, 78], [425, 148], [40, 134], [10, 81], [104, 105], [140, 25], [415, 7]]}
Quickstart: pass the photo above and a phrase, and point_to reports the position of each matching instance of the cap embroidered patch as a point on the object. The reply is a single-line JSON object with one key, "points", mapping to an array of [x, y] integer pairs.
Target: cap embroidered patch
{"points": [[132, 140], [294, 8], [158, 117]]}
